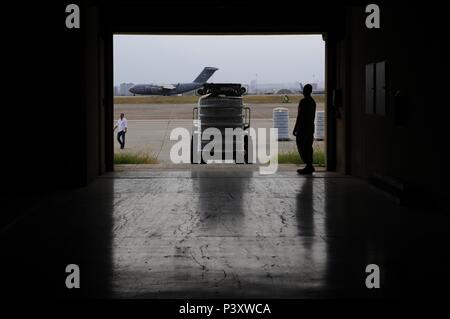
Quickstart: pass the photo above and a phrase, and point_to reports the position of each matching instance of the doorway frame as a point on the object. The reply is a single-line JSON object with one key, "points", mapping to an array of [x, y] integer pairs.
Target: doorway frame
{"points": [[330, 82]]}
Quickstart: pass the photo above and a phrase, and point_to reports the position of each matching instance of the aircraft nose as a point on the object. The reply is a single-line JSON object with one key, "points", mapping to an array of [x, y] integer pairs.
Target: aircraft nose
{"points": [[132, 89]]}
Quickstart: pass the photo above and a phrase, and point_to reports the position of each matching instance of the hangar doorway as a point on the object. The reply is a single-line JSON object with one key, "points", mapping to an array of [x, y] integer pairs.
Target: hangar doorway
{"points": [[273, 69]]}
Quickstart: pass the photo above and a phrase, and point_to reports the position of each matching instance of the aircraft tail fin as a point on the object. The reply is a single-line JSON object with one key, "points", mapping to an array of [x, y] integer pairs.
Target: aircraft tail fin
{"points": [[301, 87], [205, 74]]}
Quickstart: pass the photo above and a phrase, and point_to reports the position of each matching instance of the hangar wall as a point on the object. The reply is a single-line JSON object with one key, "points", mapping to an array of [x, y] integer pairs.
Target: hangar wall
{"points": [[410, 142], [45, 99]]}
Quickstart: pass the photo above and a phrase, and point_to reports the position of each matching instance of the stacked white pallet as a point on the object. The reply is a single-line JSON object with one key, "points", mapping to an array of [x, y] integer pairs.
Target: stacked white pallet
{"points": [[281, 122], [319, 126]]}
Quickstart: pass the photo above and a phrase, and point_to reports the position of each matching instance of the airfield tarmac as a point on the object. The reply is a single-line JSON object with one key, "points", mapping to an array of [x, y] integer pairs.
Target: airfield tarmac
{"points": [[149, 126]]}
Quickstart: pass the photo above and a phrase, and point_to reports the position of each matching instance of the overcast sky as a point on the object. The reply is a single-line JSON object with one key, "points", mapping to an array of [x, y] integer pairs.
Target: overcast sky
{"points": [[167, 59]]}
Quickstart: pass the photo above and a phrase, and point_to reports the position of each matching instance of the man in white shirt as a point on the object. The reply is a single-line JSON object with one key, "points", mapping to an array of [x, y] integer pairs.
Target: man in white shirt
{"points": [[122, 124]]}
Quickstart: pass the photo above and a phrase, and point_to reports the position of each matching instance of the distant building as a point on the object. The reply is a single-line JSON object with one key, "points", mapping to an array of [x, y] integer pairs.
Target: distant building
{"points": [[273, 88], [124, 89]]}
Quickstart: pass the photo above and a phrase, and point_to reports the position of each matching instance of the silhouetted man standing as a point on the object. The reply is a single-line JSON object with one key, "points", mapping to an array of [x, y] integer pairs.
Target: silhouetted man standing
{"points": [[304, 129], [122, 124]]}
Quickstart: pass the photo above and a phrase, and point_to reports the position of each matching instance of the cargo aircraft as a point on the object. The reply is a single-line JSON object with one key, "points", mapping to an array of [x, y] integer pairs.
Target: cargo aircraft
{"points": [[174, 89]]}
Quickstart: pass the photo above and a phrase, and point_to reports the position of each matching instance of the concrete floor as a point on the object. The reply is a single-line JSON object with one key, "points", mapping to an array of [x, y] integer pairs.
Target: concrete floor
{"points": [[223, 233]]}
